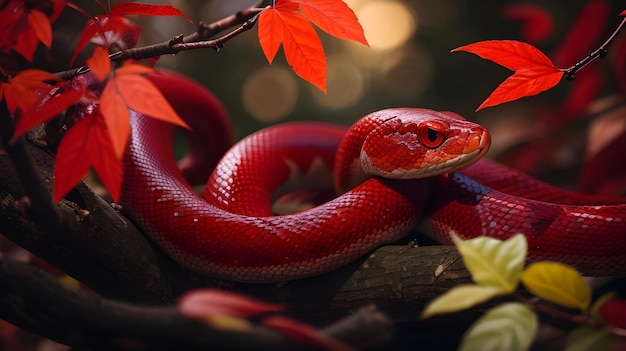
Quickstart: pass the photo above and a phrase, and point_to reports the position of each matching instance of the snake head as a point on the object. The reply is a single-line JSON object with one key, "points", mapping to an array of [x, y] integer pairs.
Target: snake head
{"points": [[411, 143]]}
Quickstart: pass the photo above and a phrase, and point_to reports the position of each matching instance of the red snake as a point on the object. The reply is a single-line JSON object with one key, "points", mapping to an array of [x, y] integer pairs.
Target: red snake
{"points": [[232, 233]]}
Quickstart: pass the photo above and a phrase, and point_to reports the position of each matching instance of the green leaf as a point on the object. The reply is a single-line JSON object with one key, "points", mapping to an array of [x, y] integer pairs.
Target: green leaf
{"points": [[461, 297], [494, 262], [511, 326], [557, 283], [588, 338]]}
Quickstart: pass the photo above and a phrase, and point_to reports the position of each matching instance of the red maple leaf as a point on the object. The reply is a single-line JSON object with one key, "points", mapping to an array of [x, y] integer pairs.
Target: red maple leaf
{"points": [[12, 22], [22, 28], [132, 8], [303, 48], [534, 71], [333, 17], [87, 144], [106, 30], [114, 28], [26, 88], [56, 100], [99, 63], [287, 24], [129, 89]]}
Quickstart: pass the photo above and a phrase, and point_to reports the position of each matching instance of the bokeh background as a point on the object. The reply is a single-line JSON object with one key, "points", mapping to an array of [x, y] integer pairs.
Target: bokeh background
{"points": [[408, 63]]}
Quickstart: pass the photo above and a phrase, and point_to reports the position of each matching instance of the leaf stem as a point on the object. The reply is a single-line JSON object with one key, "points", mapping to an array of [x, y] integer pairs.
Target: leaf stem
{"points": [[539, 306], [570, 73]]}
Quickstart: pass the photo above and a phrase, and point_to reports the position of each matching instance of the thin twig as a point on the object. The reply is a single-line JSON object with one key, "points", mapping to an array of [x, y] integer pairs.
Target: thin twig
{"points": [[539, 306], [177, 45], [207, 31], [201, 39], [570, 73]]}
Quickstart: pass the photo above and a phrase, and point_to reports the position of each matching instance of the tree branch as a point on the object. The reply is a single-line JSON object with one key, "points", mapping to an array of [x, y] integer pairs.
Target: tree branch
{"points": [[107, 253], [93, 243], [201, 39], [42, 304], [38, 198]]}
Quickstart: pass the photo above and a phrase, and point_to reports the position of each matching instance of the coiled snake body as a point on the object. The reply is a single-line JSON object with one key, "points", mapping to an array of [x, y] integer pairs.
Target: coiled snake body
{"points": [[232, 233]]}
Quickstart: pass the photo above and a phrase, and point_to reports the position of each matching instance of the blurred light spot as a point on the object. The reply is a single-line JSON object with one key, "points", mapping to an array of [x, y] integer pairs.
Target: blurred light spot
{"points": [[363, 56], [345, 84], [387, 24], [408, 73], [270, 93]]}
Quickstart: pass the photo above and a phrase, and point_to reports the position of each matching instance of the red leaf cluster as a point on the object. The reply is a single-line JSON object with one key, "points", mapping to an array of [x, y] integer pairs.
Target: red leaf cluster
{"points": [[103, 134], [99, 138], [287, 24], [113, 28], [87, 144], [533, 73], [25, 89], [22, 28], [129, 89]]}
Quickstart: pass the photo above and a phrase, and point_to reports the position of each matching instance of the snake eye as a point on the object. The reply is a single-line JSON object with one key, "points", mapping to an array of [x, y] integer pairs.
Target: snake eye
{"points": [[431, 134]]}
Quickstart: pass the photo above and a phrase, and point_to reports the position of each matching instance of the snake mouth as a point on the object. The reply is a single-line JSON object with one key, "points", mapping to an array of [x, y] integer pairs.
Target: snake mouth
{"points": [[476, 147], [449, 166]]}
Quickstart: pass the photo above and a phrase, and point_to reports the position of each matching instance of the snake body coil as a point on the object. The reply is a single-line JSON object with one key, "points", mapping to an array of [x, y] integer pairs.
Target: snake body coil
{"points": [[232, 233]]}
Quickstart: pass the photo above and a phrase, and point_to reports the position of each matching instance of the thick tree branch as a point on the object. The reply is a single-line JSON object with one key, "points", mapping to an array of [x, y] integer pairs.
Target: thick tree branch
{"points": [[105, 251], [92, 243], [42, 304], [39, 199], [102, 249]]}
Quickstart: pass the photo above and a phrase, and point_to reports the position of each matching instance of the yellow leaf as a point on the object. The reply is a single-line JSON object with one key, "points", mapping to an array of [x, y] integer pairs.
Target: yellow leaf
{"points": [[228, 322], [494, 262], [461, 297], [558, 283]]}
